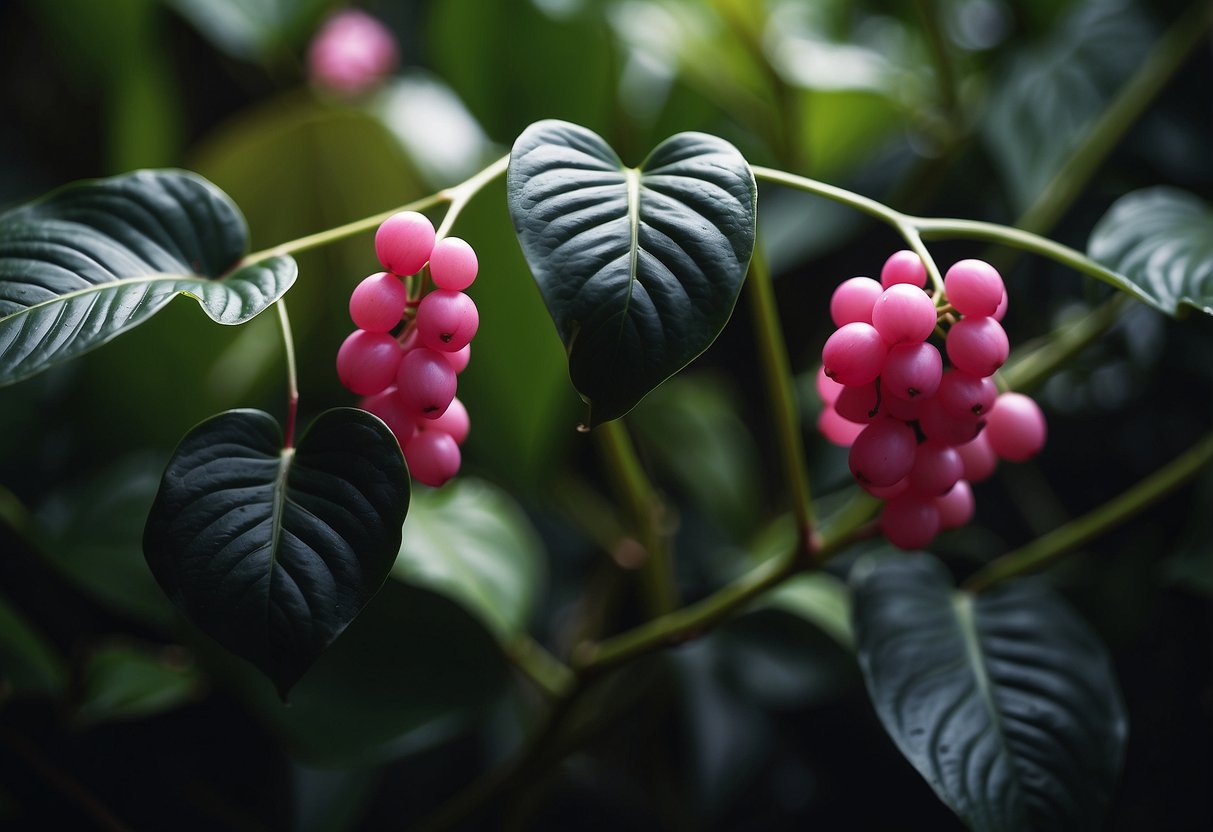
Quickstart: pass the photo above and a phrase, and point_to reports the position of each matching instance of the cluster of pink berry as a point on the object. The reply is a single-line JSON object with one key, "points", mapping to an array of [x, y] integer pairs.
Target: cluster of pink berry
{"points": [[411, 344], [918, 433]]}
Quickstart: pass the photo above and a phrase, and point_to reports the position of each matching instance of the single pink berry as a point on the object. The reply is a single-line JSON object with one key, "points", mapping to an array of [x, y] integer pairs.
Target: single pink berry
{"points": [[910, 521], [426, 382], [854, 354], [978, 346], [1016, 427], [883, 452], [852, 300], [837, 430], [966, 396], [904, 314], [937, 467], [979, 458], [460, 358], [447, 320], [453, 264], [912, 371], [404, 241], [903, 267], [351, 52], [973, 287], [956, 507], [859, 404], [388, 407], [377, 303], [454, 421], [367, 361], [433, 457]]}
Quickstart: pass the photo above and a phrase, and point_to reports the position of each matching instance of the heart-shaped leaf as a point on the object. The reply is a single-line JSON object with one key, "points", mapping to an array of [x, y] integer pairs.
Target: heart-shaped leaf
{"points": [[639, 267], [472, 543], [93, 259], [273, 551], [1005, 702], [1161, 240]]}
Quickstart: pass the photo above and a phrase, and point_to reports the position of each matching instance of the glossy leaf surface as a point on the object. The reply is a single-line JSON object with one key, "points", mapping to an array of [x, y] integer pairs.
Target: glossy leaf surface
{"points": [[1005, 702], [273, 551], [472, 543], [94, 259], [639, 267], [1161, 240]]}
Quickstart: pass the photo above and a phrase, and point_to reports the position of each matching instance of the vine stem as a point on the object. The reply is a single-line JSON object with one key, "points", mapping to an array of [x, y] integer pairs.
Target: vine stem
{"points": [[292, 375], [777, 374], [646, 511], [1061, 541], [549, 674], [457, 196]]}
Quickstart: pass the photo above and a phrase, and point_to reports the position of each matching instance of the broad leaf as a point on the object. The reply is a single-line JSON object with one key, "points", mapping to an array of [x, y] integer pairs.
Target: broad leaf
{"points": [[273, 551], [94, 259], [1161, 240], [1005, 702], [124, 682], [639, 267], [1050, 95], [470, 542]]}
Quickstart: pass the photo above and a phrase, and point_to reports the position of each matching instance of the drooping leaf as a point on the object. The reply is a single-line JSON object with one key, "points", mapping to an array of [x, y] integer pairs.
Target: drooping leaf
{"points": [[273, 551], [639, 267], [1161, 240], [1051, 93], [470, 542], [89, 261], [126, 681], [1005, 702]]}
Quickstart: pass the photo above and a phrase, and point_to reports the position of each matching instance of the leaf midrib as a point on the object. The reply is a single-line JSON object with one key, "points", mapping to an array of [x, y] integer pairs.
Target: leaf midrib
{"points": [[112, 284], [285, 459]]}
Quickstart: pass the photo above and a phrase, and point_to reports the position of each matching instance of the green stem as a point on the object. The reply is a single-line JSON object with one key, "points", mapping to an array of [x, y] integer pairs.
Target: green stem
{"points": [[646, 511], [777, 374], [457, 196], [1047, 549], [867, 205], [1168, 55], [551, 675], [292, 376]]}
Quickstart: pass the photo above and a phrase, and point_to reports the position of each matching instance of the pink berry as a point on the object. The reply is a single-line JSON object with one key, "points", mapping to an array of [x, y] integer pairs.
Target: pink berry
{"points": [[351, 52], [903, 267], [453, 264], [978, 346], [453, 421], [387, 406], [1016, 427], [956, 507], [937, 467], [966, 396], [854, 354], [904, 314], [377, 303], [852, 300], [404, 241], [912, 371], [367, 361], [433, 457], [446, 320], [460, 358], [426, 382], [837, 429], [973, 287], [936, 423], [1001, 311], [910, 521], [858, 404], [979, 458], [883, 453]]}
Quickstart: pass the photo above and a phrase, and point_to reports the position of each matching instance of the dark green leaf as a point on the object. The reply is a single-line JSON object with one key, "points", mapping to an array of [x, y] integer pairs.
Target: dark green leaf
{"points": [[29, 664], [1161, 240], [128, 682], [1050, 95], [86, 263], [639, 267], [470, 542], [273, 551], [1005, 702]]}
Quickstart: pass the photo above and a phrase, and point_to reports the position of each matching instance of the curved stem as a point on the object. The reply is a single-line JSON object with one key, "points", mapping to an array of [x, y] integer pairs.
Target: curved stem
{"points": [[460, 195], [647, 513], [1037, 360], [1061, 541], [549, 674], [292, 378], [867, 205]]}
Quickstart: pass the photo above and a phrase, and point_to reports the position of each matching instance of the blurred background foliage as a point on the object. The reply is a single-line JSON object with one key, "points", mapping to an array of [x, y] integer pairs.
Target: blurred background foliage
{"points": [[112, 709]]}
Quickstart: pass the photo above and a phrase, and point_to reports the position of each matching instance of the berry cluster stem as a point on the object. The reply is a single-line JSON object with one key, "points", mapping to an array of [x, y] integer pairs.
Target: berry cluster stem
{"points": [[292, 376]]}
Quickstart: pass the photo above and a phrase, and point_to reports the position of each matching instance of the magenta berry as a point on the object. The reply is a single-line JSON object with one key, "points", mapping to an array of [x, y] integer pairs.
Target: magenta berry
{"points": [[433, 457], [853, 299], [903, 314], [367, 361], [854, 354], [910, 521], [883, 452], [377, 303], [956, 508], [404, 241], [903, 267], [978, 346], [912, 371], [454, 422], [447, 320], [453, 264], [426, 382], [974, 288], [1016, 427], [966, 396]]}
